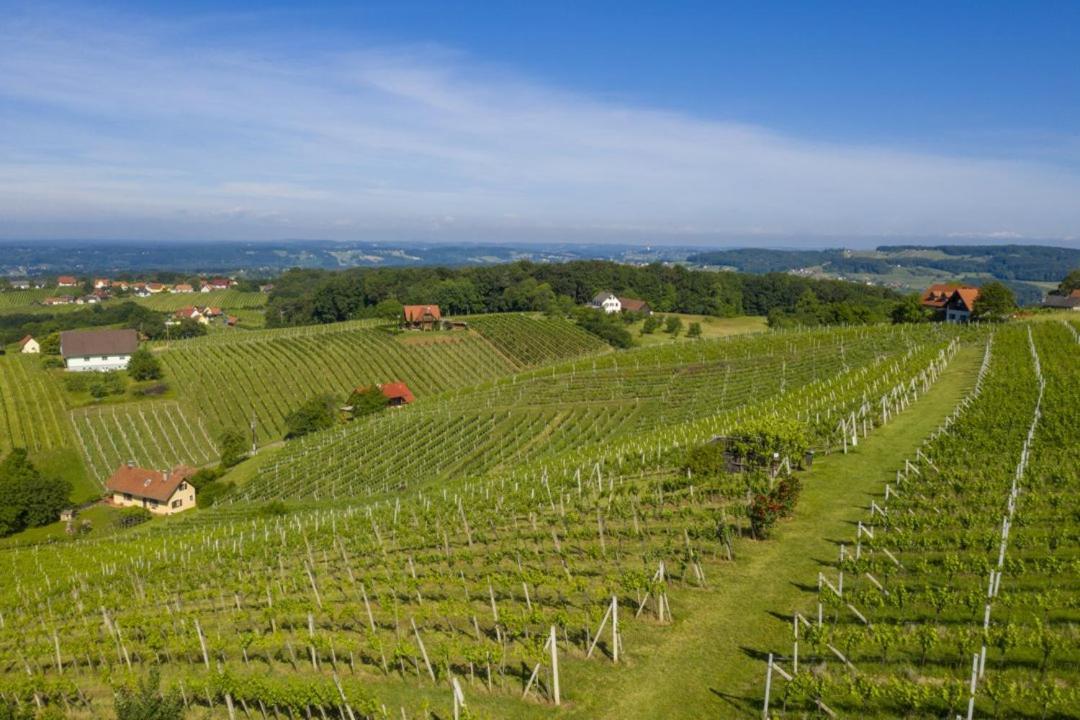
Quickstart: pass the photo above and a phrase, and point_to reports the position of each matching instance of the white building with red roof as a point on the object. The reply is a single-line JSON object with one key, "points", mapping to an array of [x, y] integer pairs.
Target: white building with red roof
{"points": [[162, 492]]}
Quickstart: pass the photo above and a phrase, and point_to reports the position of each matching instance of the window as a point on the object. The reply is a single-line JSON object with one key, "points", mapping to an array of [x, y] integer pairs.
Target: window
{"points": [[177, 503], [182, 486], [127, 496]]}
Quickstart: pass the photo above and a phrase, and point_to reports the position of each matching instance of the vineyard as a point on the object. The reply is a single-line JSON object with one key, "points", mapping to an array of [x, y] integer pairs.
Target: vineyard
{"points": [[33, 412], [157, 434], [228, 299], [958, 594], [268, 373], [604, 406], [486, 591]]}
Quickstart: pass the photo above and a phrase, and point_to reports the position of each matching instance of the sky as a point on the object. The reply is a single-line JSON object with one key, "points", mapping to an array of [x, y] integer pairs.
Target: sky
{"points": [[723, 123]]}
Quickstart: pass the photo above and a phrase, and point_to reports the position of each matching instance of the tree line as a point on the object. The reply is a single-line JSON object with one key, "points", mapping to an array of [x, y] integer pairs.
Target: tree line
{"points": [[303, 297]]}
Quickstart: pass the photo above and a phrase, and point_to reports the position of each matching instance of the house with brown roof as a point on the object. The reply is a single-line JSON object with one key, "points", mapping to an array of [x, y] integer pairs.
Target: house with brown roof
{"points": [[67, 281], [182, 288], [58, 300], [191, 313], [421, 317], [29, 345], [961, 304], [633, 305], [97, 350], [163, 492], [102, 283]]}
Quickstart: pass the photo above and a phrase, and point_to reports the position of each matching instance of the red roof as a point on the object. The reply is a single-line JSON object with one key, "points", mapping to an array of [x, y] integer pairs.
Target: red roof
{"points": [[22, 343], [187, 312], [397, 391], [633, 304], [968, 296], [1075, 294], [939, 293], [67, 280], [416, 313], [151, 484]]}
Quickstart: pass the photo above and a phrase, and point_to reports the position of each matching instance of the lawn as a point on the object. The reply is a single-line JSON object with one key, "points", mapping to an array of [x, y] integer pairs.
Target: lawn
{"points": [[710, 664], [711, 327]]}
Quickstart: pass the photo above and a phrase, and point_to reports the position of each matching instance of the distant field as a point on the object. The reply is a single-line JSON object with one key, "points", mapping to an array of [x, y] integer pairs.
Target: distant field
{"points": [[228, 299]]}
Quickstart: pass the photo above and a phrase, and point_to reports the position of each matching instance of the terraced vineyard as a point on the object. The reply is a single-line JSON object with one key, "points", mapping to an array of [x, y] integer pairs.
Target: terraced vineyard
{"points": [[499, 592], [158, 434], [603, 406], [958, 595]]}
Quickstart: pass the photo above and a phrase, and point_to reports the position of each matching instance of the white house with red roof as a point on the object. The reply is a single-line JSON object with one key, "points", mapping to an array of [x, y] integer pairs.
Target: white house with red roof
{"points": [[29, 345]]}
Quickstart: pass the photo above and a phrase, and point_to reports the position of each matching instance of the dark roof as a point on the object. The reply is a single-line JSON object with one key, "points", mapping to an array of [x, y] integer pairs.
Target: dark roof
{"points": [[77, 343], [600, 297], [1061, 301], [151, 484], [28, 338]]}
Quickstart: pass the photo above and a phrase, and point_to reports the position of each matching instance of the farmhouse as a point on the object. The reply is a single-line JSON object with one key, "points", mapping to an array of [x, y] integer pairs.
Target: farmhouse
{"points": [[29, 345], [1063, 302], [67, 281], [58, 300], [961, 303], [161, 492], [421, 317], [634, 305], [607, 302], [102, 283], [97, 350], [191, 313], [182, 288], [155, 288]]}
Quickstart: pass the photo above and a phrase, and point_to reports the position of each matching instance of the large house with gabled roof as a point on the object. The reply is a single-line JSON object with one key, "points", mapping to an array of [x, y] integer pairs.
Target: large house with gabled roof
{"points": [[162, 492]]}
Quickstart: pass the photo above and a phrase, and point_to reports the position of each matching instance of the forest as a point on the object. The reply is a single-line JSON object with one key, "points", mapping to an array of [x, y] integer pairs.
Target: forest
{"points": [[302, 297]]}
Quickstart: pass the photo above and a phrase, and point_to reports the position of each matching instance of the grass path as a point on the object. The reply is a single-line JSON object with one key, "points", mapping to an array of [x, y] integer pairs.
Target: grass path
{"points": [[709, 663]]}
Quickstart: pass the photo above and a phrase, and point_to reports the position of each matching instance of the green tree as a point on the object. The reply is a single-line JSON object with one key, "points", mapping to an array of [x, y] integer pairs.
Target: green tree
{"points": [[673, 325], [143, 365], [388, 309], [27, 498], [694, 330], [318, 413], [233, 447], [367, 400], [147, 702], [649, 326], [995, 302], [909, 310], [1070, 282]]}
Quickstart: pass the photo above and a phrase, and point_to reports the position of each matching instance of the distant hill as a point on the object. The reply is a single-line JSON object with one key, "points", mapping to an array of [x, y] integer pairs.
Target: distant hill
{"points": [[909, 267]]}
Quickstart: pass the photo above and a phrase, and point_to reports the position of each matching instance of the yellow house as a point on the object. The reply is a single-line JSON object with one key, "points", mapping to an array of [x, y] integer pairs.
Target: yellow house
{"points": [[161, 492]]}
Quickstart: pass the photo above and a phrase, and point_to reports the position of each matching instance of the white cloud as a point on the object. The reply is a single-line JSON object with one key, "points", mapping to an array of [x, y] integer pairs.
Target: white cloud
{"points": [[130, 125]]}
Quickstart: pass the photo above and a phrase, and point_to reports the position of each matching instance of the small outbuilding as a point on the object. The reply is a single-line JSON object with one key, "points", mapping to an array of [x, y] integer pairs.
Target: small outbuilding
{"points": [[421, 317], [29, 345], [397, 394]]}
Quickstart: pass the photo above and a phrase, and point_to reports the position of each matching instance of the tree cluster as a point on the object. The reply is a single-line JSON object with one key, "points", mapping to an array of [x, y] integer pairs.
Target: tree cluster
{"points": [[28, 498], [318, 413]]}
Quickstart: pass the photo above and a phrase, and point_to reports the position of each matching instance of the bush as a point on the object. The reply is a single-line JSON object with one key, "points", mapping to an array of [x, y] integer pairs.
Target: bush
{"points": [[650, 325], [673, 325], [202, 478], [694, 330], [764, 511], [147, 702], [318, 413], [99, 385], [606, 327], [144, 366], [366, 401], [50, 362], [151, 390], [707, 459], [213, 492], [129, 517], [233, 446], [273, 508], [27, 498]]}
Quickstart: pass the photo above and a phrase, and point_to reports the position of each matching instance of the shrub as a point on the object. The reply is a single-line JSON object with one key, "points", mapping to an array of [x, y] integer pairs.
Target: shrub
{"points": [[365, 401], [787, 492], [233, 446], [673, 325], [144, 366], [151, 390], [131, 516], [707, 459], [318, 413], [213, 492], [764, 511], [146, 702], [694, 330], [650, 325]]}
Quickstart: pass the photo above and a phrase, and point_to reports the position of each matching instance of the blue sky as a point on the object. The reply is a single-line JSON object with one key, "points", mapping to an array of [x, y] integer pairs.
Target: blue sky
{"points": [[744, 123]]}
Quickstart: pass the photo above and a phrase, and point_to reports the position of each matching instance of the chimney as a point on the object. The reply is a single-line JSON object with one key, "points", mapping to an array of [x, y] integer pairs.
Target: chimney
{"points": [[165, 476], [131, 463]]}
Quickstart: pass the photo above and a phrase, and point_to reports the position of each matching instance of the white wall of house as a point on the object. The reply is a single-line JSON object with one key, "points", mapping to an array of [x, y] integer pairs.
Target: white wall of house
{"points": [[31, 346], [609, 304], [97, 363], [183, 498]]}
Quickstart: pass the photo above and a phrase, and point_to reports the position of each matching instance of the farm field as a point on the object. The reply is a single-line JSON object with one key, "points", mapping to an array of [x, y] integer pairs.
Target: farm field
{"points": [[545, 544], [711, 327], [227, 299]]}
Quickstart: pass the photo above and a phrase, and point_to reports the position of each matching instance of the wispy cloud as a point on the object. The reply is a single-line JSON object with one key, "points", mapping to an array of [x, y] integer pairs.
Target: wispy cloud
{"points": [[135, 127]]}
